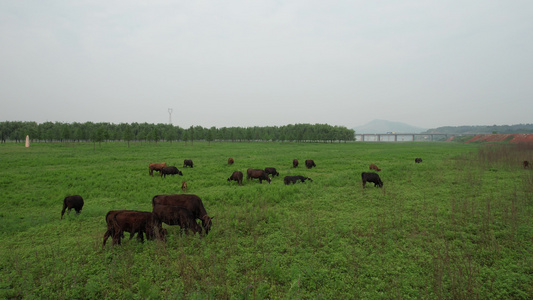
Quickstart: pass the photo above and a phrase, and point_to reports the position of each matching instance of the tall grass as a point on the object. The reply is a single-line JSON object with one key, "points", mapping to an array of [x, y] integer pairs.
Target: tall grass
{"points": [[456, 226]]}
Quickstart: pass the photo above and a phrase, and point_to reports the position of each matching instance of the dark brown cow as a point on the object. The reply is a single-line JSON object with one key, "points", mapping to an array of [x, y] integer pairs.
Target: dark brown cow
{"points": [[140, 222], [237, 176], [176, 215], [257, 173], [271, 171], [374, 167], [184, 186], [230, 161], [294, 163], [170, 171], [310, 163], [187, 201], [187, 163], [70, 202], [525, 164], [371, 177], [293, 179], [155, 167], [418, 160]]}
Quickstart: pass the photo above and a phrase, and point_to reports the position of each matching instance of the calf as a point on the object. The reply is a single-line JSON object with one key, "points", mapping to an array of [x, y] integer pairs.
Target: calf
{"points": [[310, 163], [170, 171], [187, 163], [237, 176], [140, 222], [184, 186], [176, 215], [70, 202], [526, 164], [371, 177], [257, 173], [155, 167], [230, 161], [418, 160], [271, 171], [294, 163], [374, 167], [293, 179]]}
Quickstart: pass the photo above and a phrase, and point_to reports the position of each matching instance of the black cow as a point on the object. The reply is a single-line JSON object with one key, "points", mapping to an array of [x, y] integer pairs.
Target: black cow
{"points": [[310, 163], [525, 164], [293, 179], [170, 171], [187, 163], [237, 176], [176, 215], [371, 177], [271, 171], [140, 222], [418, 160], [294, 163], [70, 202], [187, 201], [257, 173]]}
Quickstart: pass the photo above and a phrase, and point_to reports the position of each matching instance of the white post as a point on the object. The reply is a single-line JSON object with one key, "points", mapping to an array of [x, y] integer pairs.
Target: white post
{"points": [[27, 141]]}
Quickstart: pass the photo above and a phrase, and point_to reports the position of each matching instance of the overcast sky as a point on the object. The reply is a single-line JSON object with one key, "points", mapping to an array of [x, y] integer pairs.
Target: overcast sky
{"points": [[267, 63]]}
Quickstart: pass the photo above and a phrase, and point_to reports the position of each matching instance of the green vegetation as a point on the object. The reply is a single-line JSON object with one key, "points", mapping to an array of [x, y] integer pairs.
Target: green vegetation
{"points": [[456, 226]]}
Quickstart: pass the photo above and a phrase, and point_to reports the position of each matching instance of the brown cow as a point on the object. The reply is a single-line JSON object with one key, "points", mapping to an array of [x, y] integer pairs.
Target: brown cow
{"points": [[140, 222], [526, 164], [155, 167], [237, 176], [310, 163], [294, 163], [257, 173], [70, 202], [176, 215], [230, 161], [187, 201], [374, 167], [187, 163], [184, 186]]}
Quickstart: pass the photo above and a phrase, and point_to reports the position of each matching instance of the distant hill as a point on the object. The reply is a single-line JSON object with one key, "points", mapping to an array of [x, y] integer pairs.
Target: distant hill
{"points": [[383, 126], [503, 129]]}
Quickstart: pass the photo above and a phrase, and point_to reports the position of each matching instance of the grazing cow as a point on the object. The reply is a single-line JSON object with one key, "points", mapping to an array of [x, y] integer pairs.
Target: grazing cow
{"points": [[155, 167], [271, 171], [187, 163], [374, 167], [70, 202], [170, 171], [184, 186], [237, 176], [176, 215], [188, 201], [230, 161], [371, 177], [310, 163], [418, 160], [526, 164], [257, 173], [293, 179], [140, 222], [294, 163]]}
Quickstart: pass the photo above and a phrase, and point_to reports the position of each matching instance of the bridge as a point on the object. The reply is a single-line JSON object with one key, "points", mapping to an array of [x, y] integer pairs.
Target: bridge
{"points": [[402, 137]]}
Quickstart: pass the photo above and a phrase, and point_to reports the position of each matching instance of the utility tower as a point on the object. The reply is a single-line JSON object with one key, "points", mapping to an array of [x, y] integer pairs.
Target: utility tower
{"points": [[170, 116]]}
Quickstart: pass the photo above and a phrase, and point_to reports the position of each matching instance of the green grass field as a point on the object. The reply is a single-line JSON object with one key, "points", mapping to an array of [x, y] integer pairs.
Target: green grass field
{"points": [[456, 226]]}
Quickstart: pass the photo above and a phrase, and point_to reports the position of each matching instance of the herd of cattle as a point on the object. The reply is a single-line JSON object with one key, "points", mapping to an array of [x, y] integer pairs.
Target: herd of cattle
{"points": [[185, 209]]}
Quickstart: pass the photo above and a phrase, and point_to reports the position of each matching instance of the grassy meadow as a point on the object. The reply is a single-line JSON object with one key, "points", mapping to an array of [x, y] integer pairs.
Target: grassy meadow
{"points": [[456, 226]]}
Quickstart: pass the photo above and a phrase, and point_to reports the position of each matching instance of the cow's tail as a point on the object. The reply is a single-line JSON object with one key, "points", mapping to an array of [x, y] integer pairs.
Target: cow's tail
{"points": [[153, 200], [64, 207]]}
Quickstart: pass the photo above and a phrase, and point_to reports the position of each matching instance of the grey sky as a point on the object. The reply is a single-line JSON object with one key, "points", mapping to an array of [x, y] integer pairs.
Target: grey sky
{"points": [[262, 63]]}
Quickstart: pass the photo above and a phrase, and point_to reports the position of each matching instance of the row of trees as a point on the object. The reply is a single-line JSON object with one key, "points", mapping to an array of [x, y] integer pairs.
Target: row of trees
{"points": [[99, 132]]}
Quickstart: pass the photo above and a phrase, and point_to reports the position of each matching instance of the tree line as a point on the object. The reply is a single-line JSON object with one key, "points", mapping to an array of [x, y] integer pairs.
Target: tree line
{"points": [[100, 132]]}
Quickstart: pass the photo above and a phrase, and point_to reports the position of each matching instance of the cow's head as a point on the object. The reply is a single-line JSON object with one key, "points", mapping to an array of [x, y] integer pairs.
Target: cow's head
{"points": [[207, 223]]}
